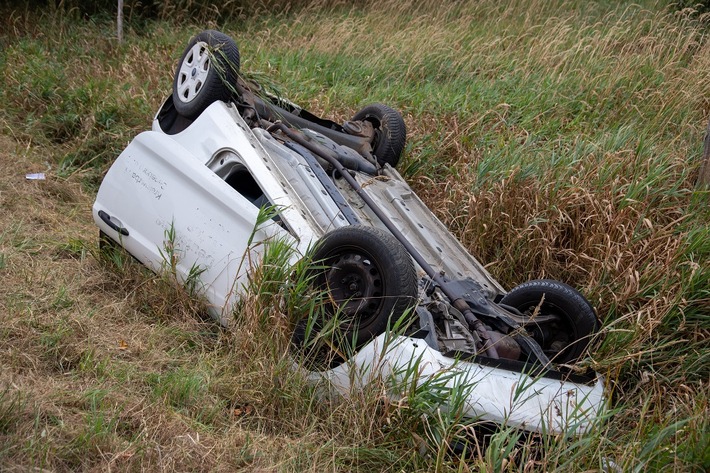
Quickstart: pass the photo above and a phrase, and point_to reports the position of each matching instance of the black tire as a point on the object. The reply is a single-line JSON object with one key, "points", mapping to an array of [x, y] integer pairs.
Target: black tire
{"points": [[390, 132], [207, 72], [565, 339], [369, 278]]}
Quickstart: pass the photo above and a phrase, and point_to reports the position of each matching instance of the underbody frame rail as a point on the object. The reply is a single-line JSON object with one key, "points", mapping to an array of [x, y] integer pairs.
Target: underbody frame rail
{"points": [[457, 299]]}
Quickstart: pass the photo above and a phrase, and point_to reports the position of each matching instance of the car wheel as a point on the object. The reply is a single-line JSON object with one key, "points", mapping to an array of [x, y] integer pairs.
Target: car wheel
{"points": [[565, 338], [369, 279], [390, 132], [207, 72]]}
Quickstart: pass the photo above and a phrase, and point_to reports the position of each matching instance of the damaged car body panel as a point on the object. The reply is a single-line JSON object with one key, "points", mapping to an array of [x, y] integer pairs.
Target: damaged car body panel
{"points": [[217, 156], [492, 394]]}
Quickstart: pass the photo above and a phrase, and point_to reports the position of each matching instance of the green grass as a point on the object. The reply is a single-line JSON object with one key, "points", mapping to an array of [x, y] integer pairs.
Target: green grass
{"points": [[556, 139]]}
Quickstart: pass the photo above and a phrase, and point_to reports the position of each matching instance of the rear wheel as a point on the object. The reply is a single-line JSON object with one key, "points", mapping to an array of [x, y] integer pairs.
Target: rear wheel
{"points": [[390, 132], [369, 279], [207, 72], [566, 337]]}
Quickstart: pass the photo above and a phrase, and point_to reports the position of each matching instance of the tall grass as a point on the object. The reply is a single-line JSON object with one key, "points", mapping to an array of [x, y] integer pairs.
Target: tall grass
{"points": [[556, 139]]}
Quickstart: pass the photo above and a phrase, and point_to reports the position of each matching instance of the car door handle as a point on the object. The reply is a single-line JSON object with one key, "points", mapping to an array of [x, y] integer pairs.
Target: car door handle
{"points": [[107, 219]]}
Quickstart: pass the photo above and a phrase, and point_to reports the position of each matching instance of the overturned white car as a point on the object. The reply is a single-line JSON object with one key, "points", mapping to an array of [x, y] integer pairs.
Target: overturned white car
{"points": [[221, 148]]}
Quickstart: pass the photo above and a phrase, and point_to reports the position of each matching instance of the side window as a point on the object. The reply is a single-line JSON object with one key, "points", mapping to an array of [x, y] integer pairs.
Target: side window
{"points": [[243, 182], [230, 167]]}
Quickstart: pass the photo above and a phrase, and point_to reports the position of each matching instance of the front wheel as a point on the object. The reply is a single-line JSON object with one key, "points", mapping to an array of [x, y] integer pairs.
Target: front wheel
{"points": [[565, 338]]}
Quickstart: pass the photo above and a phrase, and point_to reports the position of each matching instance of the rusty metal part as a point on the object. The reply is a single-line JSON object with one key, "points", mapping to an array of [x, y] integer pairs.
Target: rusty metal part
{"points": [[329, 155], [505, 345], [362, 128], [266, 110]]}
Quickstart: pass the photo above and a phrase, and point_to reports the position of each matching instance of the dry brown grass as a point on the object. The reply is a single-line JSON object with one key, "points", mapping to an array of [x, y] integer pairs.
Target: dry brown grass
{"points": [[113, 367], [553, 144]]}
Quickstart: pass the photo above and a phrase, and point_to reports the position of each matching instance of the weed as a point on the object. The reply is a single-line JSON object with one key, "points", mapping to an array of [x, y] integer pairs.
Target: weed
{"points": [[553, 143], [170, 254], [74, 248], [62, 300], [178, 388], [10, 408]]}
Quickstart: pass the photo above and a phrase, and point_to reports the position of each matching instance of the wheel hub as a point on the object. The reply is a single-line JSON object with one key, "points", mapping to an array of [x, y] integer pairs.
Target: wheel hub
{"points": [[355, 284], [551, 332], [193, 72]]}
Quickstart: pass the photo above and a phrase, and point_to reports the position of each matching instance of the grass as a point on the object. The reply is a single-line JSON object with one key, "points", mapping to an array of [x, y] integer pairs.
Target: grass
{"points": [[556, 139]]}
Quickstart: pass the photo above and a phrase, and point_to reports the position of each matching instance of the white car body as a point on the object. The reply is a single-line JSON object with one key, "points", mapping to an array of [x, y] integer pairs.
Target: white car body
{"points": [[492, 394], [184, 182], [178, 180]]}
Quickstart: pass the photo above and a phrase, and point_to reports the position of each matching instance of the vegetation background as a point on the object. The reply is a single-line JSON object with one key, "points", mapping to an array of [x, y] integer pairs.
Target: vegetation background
{"points": [[556, 138]]}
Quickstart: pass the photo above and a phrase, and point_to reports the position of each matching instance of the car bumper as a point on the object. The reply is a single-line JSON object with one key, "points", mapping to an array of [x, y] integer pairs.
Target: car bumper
{"points": [[488, 394]]}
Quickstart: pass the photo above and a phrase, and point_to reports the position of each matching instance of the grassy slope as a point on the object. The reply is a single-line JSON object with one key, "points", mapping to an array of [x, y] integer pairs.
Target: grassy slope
{"points": [[555, 138]]}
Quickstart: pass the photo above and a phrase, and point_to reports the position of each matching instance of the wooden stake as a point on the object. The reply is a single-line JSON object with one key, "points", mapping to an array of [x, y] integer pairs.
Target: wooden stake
{"points": [[119, 21], [704, 176]]}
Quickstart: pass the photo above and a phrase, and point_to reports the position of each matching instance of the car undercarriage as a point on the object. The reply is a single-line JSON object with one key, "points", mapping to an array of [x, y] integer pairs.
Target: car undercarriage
{"points": [[222, 149]]}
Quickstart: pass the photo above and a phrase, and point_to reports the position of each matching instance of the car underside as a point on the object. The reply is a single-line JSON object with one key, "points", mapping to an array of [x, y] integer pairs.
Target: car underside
{"points": [[222, 150]]}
